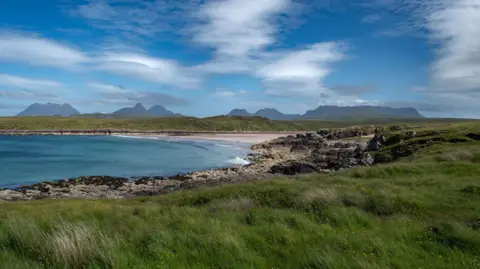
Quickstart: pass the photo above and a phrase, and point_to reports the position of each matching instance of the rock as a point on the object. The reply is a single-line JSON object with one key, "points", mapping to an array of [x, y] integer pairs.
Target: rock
{"points": [[293, 168], [299, 147], [473, 136], [411, 134], [376, 142], [367, 159]]}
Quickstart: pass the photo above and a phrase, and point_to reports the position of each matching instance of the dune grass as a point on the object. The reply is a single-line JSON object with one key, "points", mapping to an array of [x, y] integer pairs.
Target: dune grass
{"points": [[422, 211]]}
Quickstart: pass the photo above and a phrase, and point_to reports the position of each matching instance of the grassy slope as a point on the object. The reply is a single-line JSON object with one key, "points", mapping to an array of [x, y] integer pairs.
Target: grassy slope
{"points": [[184, 123], [219, 123], [420, 212]]}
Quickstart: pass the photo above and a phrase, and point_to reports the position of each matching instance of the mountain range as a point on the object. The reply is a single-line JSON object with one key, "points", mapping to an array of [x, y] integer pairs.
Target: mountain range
{"points": [[140, 111], [321, 112], [269, 113], [49, 109], [334, 112], [66, 110]]}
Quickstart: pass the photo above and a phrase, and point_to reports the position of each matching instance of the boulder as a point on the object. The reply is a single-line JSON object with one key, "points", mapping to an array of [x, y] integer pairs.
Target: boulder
{"points": [[474, 136], [293, 168], [376, 143]]}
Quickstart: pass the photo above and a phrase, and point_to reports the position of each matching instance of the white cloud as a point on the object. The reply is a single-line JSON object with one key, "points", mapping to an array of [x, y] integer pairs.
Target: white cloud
{"points": [[301, 72], [242, 33], [372, 18], [97, 11], [112, 94], [134, 19], [228, 93], [237, 27], [29, 95], [39, 51], [239, 32], [28, 83], [147, 68], [455, 26]]}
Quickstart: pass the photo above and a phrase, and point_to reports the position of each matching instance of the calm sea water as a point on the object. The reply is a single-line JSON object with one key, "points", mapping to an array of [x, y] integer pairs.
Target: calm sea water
{"points": [[32, 159]]}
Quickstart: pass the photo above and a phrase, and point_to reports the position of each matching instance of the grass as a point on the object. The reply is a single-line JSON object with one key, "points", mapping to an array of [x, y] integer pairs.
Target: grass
{"points": [[419, 212], [183, 124], [219, 123]]}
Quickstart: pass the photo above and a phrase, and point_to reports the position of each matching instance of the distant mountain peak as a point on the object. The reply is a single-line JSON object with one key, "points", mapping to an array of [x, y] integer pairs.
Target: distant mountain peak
{"points": [[239, 112], [140, 111], [139, 106], [49, 109], [269, 113]]}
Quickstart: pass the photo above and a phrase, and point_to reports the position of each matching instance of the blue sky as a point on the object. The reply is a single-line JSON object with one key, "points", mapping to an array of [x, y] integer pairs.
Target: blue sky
{"points": [[204, 58]]}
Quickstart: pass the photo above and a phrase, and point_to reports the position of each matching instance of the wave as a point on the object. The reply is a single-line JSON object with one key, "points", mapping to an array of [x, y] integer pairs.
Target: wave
{"points": [[238, 161], [137, 137], [193, 143]]}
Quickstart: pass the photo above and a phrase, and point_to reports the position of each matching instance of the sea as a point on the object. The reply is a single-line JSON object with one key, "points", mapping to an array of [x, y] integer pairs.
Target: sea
{"points": [[32, 159]]}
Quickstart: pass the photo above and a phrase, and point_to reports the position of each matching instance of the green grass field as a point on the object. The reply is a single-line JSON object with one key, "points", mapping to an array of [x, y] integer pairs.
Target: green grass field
{"points": [[422, 211], [219, 123]]}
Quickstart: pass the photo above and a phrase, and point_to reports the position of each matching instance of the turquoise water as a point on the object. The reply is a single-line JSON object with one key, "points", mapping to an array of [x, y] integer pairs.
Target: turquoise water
{"points": [[32, 159]]}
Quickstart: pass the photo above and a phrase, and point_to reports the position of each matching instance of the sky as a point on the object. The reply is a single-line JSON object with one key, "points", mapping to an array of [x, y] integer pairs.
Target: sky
{"points": [[206, 57]]}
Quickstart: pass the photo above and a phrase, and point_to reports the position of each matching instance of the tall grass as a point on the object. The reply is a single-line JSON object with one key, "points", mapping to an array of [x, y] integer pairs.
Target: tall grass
{"points": [[59, 244], [420, 212]]}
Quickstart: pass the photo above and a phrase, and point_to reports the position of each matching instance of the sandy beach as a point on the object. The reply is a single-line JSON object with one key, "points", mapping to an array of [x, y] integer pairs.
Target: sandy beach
{"points": [[250, 138], [240, 137]]}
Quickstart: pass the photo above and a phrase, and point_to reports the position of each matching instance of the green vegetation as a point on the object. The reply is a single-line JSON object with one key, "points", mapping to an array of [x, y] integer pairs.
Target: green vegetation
{"points": [[419, 212], [219, 123], [183, 123]]}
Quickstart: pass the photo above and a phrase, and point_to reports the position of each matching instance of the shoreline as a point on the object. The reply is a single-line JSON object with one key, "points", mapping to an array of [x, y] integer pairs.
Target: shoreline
{"points": [[243, 138], [240, 137], [321, 152]]}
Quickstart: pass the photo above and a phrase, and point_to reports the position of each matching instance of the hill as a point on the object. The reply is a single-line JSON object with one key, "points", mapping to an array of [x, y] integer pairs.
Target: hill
{"points": [[137, 111], [140, 111], [160, 111], [345, 112], [49, 109], [239, 112], [335, 112], [273, 114], [269, 113], [219, 123]]}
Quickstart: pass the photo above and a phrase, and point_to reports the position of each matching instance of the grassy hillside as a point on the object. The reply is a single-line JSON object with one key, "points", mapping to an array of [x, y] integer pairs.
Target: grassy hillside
{"points": [[219, 123], [184, 123], [419, 212]]}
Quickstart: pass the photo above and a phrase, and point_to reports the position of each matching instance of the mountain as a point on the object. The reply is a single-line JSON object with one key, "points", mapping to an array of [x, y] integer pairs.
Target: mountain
{"points": [[273, 114], [334, 112], [239, 112], [341, 112], [157, 110], [140, 111], [137, 111], [49, 109], [269, 113]]}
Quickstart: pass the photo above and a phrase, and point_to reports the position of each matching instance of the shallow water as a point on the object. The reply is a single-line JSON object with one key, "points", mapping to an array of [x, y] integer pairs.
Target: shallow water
{"points": [[32, 159]]}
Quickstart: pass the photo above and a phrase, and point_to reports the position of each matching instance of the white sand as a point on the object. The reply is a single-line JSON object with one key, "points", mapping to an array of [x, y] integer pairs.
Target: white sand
{"points": [[248, 138], [241, 138]]}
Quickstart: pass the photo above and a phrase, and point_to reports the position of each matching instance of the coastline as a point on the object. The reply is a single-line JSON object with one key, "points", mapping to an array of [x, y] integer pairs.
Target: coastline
{"points": [[241, 137], [321, 152], [244, 138]]}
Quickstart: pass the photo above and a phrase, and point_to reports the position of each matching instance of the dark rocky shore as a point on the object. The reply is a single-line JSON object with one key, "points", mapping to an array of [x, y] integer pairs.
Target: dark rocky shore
{"points": [[320, 152]]}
